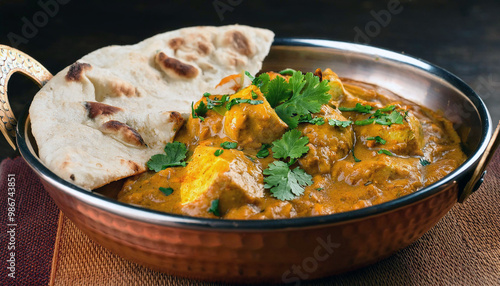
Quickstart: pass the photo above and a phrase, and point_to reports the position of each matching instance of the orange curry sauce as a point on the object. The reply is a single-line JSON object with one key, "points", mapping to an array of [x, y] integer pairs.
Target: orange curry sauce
{"points": [[423, 149]]}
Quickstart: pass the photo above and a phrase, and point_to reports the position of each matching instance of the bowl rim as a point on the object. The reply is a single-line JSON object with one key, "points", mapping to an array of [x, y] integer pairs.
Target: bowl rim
{"points": [[180, 221]]}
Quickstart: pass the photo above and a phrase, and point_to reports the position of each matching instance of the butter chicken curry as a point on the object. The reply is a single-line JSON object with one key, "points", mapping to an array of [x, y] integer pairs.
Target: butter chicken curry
{"points": [[296, 145]]}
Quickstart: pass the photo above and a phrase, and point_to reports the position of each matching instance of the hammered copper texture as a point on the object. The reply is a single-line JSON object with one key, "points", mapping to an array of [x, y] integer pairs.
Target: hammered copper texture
{"points": [[259, 256]]}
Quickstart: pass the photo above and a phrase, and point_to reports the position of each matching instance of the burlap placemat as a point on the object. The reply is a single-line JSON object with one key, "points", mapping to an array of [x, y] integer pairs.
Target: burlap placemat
{"points": [[462, 249]]}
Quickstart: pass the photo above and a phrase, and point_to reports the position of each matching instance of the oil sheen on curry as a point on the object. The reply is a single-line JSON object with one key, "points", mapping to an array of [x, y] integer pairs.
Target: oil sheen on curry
{"points": [[290, 144]]}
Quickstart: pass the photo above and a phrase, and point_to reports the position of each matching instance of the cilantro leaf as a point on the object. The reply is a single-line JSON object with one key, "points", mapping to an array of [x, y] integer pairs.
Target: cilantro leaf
{"points": [[364, 122], [377, 139], [218, 152], [288, 71], [284, 183], [340, 123], [308, 95], [387, 119], [358, 108], [214, 207], [278, 91], [254, 95], [249, 75], [424, 162], [388, 108], [174, 157], [395, 117], [291, 145], [229, 145], [386, 152], [354, 156], [297, 82], [309, 119], [264, 151], [262, 82], [193, 113], [166, 191], [201, 109], [235, 101]]}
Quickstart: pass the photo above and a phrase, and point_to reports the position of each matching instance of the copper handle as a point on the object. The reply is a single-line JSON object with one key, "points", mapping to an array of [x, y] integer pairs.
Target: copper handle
{"points": [[481, 167], [11, 61]]}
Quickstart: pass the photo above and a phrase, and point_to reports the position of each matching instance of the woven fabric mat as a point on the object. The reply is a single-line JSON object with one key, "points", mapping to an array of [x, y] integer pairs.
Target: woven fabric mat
{"points": [[462, 249]]}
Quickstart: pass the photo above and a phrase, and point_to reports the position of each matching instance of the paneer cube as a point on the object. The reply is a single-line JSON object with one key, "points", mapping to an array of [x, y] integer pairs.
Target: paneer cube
{"points": [[252, 124], [401, 139], [231, 178]]}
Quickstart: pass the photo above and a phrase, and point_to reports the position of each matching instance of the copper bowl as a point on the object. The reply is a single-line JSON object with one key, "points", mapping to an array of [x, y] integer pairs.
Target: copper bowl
{"points": [[284, 250]]}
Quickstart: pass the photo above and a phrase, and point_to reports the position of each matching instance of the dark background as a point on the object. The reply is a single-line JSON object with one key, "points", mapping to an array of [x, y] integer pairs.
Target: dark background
{"points": [[460, 36]]}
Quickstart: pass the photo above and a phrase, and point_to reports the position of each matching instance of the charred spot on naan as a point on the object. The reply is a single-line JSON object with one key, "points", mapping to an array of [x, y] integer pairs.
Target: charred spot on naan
{"points": [[123, 133], [76, 71], [239, 42], [203, 48], [176, 43], [111, 86], [95, 109], [175, 68], [136, 168]]}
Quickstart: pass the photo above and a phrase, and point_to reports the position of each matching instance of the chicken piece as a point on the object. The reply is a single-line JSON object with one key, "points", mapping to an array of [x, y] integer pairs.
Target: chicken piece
{"points": [[337, 90], [401, 139], [395, 176], [231, 178], [252, 124], [327, 143]]}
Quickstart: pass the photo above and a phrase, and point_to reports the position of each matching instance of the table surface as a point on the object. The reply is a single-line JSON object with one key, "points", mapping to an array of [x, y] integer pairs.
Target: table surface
{"points": [[460, 36]]}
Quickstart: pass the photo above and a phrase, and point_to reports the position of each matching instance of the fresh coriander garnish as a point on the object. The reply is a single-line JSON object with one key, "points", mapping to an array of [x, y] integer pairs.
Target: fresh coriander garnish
{"points": [[424, 162], [364, 122], [235, 101], [354, 156], [387, 119], [229, 145], [319, 189], [218, 152], [214, 207], [291, 146], [377, 139], [358, 108], [309, 119], [262, 82], [174, 157], [285, 183], [386, 152], [308, 95], [249, 75], [388, 108], [287, 71], [206, 94], [166, 191], [339, 123], [278, 92], [264, 151], [254, 95], [200, 111]]}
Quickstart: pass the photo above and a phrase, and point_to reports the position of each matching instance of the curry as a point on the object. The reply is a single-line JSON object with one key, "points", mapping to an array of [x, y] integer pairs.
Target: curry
{"points": [[294, 145]]}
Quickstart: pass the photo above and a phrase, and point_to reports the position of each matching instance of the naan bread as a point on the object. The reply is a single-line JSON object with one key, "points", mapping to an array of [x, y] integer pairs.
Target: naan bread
{"points": [[102, 118]]}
